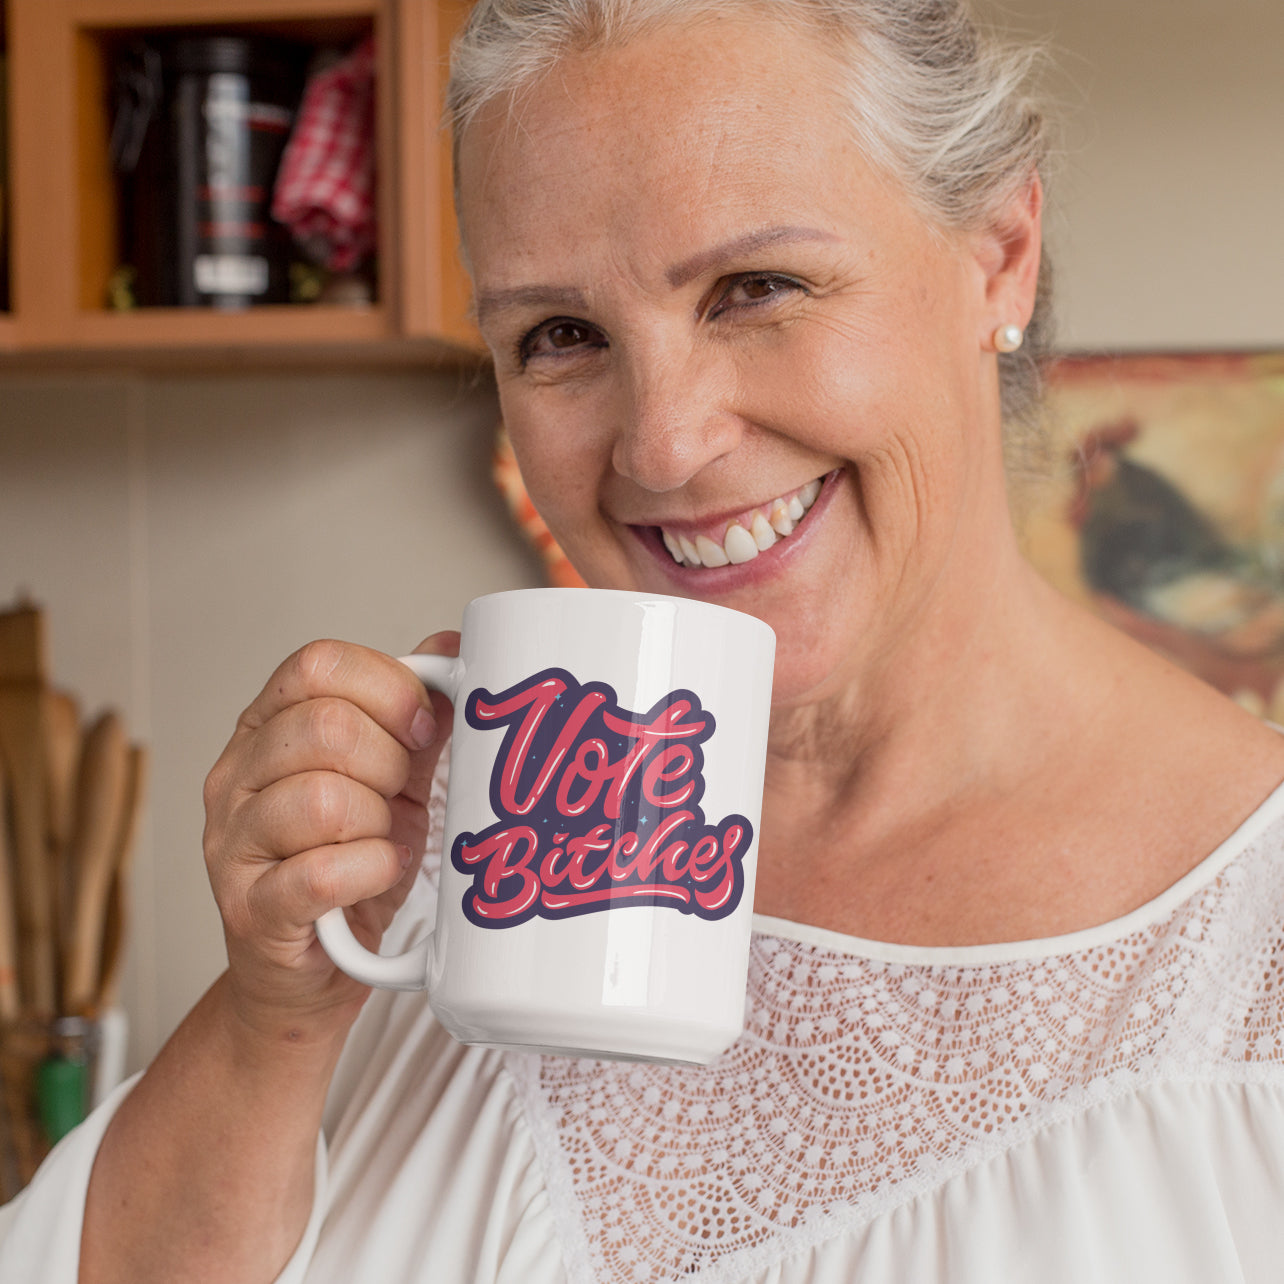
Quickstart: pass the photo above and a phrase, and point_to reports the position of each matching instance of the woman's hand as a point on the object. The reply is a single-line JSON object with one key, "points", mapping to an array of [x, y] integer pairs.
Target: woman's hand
{"points": [[319, 800]]}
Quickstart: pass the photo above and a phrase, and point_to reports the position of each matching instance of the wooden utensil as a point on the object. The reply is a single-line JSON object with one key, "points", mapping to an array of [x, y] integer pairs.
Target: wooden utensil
{"points": [[115, 928], [16, 1153], [10, 1004], [101, 800], [116, 915], [62, 747], [23, 749]]}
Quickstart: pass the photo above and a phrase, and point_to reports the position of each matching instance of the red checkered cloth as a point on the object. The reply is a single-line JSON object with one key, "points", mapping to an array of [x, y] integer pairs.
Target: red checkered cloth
{"points": [[325, 186]]}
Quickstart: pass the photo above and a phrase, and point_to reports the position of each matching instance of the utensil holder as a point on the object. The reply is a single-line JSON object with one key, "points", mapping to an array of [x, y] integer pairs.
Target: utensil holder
{"points": [[48, 1070]]}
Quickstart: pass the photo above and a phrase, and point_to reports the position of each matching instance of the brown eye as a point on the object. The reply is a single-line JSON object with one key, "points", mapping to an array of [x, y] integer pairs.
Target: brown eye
{"points": [[558, 337], [753, 291], [566, 334], [759, 287]]}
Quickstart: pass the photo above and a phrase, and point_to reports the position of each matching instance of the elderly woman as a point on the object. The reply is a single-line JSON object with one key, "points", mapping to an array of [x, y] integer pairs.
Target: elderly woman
{"points": [[1013, 1010]]}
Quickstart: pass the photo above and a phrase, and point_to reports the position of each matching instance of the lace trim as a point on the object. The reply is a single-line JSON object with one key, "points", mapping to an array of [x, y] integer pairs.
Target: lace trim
{"points": [[862, 1083]]}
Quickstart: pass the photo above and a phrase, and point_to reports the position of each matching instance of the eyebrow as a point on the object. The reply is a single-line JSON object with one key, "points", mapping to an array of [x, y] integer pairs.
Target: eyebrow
{"points": [[751, 242], [571, 299], [521, 296]]}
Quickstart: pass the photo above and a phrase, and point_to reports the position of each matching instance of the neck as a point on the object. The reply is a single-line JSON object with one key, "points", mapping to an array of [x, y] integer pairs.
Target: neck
{"points": [[973, 704]]}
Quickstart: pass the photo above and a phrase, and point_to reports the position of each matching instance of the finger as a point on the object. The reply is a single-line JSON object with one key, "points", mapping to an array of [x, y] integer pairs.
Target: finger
{"points": [[445, 643], [313, 809], [409, 824], [323, 734], [423, 764], [385, 690], [294, 893], [422, 767], [375, 914]]}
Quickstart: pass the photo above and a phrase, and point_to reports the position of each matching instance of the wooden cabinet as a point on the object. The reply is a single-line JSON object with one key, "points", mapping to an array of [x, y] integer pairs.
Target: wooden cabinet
{"points": [[7, 332], [63, 200]]}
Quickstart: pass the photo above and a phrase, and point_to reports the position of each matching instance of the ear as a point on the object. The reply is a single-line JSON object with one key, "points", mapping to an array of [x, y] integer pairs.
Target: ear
{"points": [[1007, 253]]}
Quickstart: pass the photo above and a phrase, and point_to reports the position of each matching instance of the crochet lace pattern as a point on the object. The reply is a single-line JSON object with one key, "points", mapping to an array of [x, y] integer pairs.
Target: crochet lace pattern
{"points": [[860, 1084]]}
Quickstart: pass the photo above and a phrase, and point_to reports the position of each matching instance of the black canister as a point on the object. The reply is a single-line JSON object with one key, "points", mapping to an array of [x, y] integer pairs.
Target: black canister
{"points": [[201, 124]]}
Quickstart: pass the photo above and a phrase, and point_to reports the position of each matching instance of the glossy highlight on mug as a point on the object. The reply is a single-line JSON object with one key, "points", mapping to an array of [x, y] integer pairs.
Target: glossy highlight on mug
{"points": [[597, 807]]}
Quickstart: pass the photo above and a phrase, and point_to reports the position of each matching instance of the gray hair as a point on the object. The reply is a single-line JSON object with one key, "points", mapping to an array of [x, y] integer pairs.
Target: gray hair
{"points": [[944, 108]]}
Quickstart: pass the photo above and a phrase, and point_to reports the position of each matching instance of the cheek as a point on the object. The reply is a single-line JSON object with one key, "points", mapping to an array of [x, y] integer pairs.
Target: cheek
{"points": [[827, 390], [560, 467], [859, 387]]}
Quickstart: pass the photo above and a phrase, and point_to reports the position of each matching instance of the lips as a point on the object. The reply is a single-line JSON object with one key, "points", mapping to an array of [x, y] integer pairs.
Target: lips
{"points": [[742, 538]]}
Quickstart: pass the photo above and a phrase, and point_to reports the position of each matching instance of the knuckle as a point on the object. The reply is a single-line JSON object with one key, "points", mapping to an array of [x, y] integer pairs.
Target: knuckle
{"points": [[216, 785], [317, 662], [320, 882], [328, 806], [211, 843], [334, 726], [249, 720]]}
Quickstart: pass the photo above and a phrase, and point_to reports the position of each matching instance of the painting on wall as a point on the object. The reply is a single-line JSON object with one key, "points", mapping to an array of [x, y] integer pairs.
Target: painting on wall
{"points": [[1165, 510]]}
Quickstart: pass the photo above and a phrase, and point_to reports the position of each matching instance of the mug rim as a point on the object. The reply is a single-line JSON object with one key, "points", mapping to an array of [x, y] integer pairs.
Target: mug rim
{"points": [[629, 595]]}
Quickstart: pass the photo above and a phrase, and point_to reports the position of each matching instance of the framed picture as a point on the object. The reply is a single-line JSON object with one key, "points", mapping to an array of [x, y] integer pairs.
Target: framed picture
{"points": [[1165, 510]]}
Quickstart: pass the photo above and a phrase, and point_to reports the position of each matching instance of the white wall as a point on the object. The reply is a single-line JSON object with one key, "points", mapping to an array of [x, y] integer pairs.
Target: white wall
{"points": [[185, 534], [1169, 192]]}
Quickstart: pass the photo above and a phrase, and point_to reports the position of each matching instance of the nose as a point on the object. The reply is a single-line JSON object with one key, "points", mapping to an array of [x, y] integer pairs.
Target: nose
{"points": [[676, 418]]}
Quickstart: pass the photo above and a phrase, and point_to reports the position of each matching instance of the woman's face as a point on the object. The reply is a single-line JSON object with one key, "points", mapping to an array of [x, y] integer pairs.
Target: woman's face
{"points": [[708, 314]]}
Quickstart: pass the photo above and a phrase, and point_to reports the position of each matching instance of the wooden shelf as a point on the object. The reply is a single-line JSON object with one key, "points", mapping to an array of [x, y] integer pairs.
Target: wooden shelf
{"points": [[330, 19], [287, 323], [7, 335], [65, 224], [237, 357]]}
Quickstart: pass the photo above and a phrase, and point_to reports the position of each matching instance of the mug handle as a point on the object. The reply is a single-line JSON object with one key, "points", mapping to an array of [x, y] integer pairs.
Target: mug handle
{"points": [[408, 971]]}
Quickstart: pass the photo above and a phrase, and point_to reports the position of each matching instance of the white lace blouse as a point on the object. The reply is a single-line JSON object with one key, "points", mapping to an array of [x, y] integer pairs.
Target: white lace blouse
{"points": [[1107, 1106]]}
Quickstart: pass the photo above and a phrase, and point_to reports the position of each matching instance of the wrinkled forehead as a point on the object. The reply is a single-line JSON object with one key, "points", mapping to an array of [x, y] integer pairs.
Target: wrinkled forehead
{"points": [[737, 101]]}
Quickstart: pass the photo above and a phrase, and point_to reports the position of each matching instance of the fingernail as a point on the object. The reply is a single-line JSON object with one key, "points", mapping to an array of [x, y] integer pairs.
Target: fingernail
{"points": [[404, 855], [422, 729]]}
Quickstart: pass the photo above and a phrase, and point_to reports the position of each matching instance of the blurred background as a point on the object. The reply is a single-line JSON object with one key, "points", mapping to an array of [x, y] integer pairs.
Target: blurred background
{"points": [[184, 530]]}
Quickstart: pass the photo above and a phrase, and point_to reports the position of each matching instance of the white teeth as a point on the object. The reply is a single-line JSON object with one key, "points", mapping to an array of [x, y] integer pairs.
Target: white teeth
{"points": [[739, 544], [762, 533], [742, 545], [710, 553]]}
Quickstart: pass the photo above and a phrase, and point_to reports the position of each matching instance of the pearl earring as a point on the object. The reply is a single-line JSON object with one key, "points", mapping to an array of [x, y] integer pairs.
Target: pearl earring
{"points": [[1008, 338]]}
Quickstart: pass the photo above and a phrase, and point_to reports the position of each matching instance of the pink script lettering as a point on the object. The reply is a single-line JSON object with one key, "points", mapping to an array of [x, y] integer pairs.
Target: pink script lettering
{"points": [[597, 807]]}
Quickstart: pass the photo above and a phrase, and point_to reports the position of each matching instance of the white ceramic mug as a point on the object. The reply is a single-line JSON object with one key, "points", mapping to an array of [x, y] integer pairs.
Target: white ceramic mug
{"points": [[601, 834]]}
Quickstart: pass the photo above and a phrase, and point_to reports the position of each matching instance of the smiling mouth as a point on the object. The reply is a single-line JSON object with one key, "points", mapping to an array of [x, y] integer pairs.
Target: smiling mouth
{"points": [[747, 535]]}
